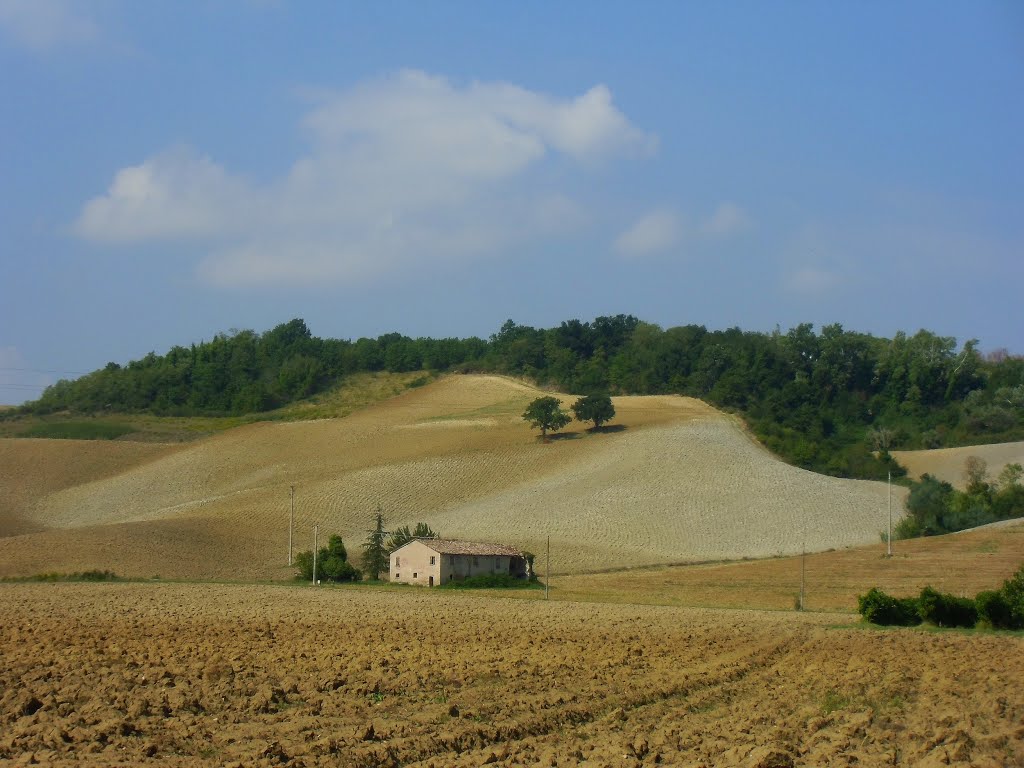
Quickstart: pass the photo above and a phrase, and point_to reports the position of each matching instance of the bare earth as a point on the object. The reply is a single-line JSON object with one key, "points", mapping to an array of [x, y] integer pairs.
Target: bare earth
{"points": [[948, 463], [677, 482], [184, 675]]}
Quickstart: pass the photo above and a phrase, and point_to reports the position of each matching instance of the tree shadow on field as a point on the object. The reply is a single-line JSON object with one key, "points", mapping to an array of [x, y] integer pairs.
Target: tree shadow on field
{"points": [[560, 436], [607, 428]]}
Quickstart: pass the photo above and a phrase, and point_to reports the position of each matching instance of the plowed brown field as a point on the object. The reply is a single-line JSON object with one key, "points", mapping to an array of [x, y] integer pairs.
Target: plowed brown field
{"points": [[183, 675], [677, 482]]}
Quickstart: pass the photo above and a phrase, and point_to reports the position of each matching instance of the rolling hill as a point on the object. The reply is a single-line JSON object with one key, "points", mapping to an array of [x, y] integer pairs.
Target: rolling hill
{"points": [[948, 463], [677, 481]]}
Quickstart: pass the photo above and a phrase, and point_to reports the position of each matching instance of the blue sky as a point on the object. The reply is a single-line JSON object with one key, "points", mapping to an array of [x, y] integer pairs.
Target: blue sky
{"points": [[170, 170]]}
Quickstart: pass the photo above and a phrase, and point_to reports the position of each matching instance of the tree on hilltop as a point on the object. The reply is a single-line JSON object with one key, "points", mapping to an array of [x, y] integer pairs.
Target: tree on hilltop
{"points": [[546, 413], [595, 408], [402, 536]]}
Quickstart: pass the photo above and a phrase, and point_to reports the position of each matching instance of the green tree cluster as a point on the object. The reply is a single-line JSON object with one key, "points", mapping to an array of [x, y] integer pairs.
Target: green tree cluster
{"points": [[402, 536], [935, 507], [331, 563]]}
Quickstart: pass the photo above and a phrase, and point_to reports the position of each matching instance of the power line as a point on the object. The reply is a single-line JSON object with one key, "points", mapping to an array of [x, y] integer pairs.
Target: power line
{"points": [[45, 370]]}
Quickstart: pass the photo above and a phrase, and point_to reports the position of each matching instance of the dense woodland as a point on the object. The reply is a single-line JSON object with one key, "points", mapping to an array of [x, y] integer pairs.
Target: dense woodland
{"points": [[835, 401]]}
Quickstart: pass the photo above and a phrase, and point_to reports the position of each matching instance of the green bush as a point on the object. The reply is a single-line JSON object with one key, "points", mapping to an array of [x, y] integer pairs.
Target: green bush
{"points": [[995, 610], [1004, 609], [331, 563], [78, 430], [879, 608], [491, 581], [54, 577], [945, 610]]}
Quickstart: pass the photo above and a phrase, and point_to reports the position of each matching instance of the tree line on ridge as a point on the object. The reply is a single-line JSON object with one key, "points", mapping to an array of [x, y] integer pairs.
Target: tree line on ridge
{"points": [[834, 401]]}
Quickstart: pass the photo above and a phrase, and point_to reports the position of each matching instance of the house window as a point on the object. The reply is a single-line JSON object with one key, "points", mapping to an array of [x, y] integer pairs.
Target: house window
{"points": [[431, 559], [415, 575], [398, 575]]}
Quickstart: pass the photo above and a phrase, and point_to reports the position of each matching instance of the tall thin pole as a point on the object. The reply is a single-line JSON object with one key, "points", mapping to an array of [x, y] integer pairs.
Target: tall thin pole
{"points": [[547, 575], [316, 532], [547, 568], [803, 568], [888, 538], [291, 525]]}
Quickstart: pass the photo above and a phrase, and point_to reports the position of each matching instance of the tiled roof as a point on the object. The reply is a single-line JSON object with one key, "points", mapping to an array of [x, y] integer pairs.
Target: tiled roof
{"points": [[454, 547]]}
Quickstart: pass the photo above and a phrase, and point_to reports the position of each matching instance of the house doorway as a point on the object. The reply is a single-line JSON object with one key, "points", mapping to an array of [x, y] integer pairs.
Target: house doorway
{"points": [[431, 581]]}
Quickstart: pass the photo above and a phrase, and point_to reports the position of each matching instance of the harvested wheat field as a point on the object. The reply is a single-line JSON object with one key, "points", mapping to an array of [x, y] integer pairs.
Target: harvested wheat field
{"points": [[673, 481], [948, 463], [963, 564], [260, 675]]}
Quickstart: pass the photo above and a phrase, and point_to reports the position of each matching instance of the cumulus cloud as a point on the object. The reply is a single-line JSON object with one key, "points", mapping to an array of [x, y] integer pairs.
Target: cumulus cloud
{"points": [[663, 229], [45, 24], [174, 194], [728, 219], [811, 281], [655, 232], [404, 168]]}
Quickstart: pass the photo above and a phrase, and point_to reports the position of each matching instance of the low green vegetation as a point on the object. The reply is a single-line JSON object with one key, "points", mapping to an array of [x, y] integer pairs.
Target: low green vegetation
{"points": [[936, 507], [997, 609], [331, 563], [493, 581], [94, 575], [93, 429]]}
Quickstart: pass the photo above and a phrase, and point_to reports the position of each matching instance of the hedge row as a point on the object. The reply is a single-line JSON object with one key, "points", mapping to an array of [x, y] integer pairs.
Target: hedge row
{"points": [[1000, 609]]}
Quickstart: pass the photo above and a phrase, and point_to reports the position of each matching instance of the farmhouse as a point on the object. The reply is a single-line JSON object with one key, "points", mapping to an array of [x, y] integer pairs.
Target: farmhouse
{"points": [[440, 561]]}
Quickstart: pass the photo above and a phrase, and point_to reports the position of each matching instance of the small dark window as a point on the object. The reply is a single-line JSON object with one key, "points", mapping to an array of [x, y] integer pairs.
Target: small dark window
{"points": [[431, 560], [415, 575], [398, 575]]}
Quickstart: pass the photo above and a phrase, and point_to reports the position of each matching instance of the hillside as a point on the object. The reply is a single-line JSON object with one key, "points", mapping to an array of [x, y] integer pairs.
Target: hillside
{"points": [[679, 482], [947, 464]]}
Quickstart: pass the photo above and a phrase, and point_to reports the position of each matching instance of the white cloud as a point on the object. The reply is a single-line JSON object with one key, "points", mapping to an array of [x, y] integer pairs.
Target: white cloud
{"points": [[655, 232], [728, 219], [174, 194], [405, 168], [663, 229], [46, 24], [811, 281]]}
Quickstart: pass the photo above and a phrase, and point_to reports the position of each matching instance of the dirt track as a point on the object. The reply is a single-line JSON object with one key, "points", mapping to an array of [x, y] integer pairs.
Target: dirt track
{"points": [[243, 675]]}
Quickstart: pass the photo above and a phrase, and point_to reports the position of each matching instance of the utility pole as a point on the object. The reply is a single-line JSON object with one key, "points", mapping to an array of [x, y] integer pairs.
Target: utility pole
{"points": [[803, 569], [547, 568], [888, 538], [547, 575], [291, 525], [316, 532]]}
